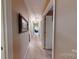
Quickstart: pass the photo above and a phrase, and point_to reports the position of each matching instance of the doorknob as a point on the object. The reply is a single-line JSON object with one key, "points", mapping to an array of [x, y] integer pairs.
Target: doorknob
{"points": [[1, 48]]}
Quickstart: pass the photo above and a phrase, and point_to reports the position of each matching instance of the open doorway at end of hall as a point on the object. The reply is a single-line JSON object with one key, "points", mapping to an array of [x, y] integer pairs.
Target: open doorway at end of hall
{"points": [[48, 33]]}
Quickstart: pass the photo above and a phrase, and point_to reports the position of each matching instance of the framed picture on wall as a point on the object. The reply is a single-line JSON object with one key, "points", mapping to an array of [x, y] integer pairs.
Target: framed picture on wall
{"points": [[23, 24]]}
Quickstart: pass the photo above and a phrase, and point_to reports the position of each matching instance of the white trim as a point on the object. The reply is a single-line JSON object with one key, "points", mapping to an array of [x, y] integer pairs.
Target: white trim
{"points": [[7, 12], [53, 41]]}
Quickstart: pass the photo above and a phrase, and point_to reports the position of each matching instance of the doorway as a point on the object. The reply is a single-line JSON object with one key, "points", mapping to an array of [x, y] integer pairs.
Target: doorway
{"points": [[48, 32]]}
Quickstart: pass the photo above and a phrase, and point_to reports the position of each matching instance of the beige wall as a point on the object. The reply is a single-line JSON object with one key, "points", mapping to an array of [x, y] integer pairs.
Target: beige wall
{"points": [[20, 41], [19, 6], [66, 35]]}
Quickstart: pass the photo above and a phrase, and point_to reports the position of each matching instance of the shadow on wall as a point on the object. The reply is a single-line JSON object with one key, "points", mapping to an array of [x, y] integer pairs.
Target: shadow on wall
{"points": [[16, 48], [65, 50]]}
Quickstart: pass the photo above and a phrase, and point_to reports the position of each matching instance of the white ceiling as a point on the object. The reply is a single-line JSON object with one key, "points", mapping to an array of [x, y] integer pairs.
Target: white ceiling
{"points": [[37, 6]]}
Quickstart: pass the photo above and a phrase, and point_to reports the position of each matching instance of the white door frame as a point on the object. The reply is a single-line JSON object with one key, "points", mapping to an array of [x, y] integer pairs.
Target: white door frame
{"points": [[7, 24], [54, 25]]}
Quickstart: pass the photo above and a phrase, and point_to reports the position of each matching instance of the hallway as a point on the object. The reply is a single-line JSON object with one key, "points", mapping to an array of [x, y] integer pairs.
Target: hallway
{"points": [[53, 21], [36, 51]]}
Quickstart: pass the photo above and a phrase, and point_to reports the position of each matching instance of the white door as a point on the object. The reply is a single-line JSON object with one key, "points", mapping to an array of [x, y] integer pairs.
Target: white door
{"points": [[2, 34], [2, 41], [49, 29], [6, 30], [2, 44]]}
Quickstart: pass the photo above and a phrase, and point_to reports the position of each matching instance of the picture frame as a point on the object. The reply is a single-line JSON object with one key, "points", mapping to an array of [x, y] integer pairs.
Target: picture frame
{"points": [[23, 24]]}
